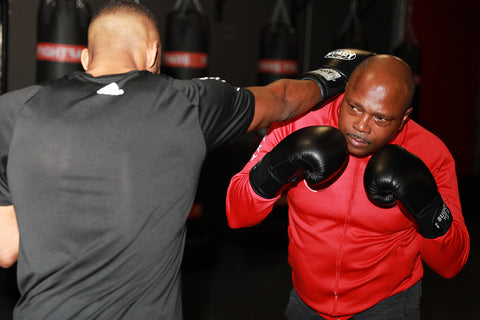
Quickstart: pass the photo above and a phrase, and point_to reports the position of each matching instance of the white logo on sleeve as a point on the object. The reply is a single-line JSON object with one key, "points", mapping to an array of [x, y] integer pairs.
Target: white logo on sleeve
{"points": [[255, 154], [111, 90]]}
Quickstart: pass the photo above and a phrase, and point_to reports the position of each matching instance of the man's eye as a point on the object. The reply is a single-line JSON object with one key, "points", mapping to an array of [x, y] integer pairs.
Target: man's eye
{"points": [[382, 121]]}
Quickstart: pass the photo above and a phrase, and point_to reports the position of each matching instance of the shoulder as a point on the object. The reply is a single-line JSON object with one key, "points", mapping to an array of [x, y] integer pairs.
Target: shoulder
{"points": [[12, 102], [419, 137], [205, 86], [20, 95], [212, 93], [426, 145]]}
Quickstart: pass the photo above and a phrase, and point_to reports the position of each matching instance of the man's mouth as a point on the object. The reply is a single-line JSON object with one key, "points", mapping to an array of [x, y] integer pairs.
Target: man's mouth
{"points": [[357, 140]]}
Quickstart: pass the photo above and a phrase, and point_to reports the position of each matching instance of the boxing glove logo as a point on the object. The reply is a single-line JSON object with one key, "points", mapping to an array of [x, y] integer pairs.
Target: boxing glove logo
{"points": [[444, 218], [341, 54], [328, 74]]}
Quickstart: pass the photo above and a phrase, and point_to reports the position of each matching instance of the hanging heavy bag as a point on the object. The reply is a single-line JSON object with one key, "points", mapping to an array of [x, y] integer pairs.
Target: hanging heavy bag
{"points": [[278, 47], [351, 34], [62, 27], [4, 13], [186, 42], [409, 51]]}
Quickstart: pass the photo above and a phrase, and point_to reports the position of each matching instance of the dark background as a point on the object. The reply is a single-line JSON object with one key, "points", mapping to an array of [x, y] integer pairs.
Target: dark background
{"points": [[447, 32], [243, 274]]}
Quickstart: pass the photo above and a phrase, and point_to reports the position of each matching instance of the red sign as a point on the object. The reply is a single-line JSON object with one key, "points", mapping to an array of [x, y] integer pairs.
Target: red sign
{"points": [[277, 66], [58, 52], [184, 59]]}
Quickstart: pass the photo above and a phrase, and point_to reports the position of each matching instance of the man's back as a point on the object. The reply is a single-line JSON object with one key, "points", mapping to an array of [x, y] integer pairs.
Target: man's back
{"points": [[102, 173]]}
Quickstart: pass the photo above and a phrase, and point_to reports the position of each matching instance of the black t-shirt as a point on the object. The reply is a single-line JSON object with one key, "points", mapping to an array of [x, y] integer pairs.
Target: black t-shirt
{"points": [[102, 173]]}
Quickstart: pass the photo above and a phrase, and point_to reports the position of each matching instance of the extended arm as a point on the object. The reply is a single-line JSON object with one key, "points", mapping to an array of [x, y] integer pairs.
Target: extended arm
{"points": [[286, 98], [283, 99], [9, 236]]}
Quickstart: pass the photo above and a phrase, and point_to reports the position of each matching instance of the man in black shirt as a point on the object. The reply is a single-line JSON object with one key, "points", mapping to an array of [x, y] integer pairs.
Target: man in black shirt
{"points": [[99, 171]]}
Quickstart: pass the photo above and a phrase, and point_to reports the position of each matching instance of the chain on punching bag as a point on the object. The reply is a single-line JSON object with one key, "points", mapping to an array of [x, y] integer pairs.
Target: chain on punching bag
{"points": [[410, 52], [61, 35], [278, 47], [186, 41]]}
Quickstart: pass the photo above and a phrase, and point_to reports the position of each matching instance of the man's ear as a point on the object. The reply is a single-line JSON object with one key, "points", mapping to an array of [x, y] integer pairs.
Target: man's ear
{"points": [[84, 59], [405, 117], [153, 57]]}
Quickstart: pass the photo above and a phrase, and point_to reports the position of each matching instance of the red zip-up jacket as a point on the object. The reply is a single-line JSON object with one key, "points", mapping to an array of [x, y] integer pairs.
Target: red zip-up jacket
{"points": [[346, 253]]}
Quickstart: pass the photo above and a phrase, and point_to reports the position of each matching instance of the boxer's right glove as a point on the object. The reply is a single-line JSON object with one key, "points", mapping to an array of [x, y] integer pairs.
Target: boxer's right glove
{"points": [[316, 154], [335, 70], [394, 173]]}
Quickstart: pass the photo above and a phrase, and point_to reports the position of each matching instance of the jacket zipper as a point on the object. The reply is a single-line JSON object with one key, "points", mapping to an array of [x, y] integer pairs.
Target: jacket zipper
{"points": [[343, 237]]}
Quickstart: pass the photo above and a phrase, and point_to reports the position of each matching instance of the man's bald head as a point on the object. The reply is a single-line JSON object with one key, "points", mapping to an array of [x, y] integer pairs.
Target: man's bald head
{"points": [[122, 32], [124, 21], [389, 72]]}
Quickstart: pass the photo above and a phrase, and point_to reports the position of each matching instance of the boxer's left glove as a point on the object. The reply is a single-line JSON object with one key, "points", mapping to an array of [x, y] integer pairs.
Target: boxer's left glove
{"points": [[335, 69], [315, 154], [392, 174]]}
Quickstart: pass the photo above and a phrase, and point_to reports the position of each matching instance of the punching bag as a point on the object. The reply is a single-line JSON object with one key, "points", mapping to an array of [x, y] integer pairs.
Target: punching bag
{"points": [[186, 42], [62, 27], [278, 47], [410, 52], [4, 13], [351, 34]]}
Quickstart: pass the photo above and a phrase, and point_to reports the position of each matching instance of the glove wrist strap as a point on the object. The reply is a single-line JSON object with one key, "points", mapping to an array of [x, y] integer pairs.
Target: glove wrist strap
{"points": [[435, 219]]}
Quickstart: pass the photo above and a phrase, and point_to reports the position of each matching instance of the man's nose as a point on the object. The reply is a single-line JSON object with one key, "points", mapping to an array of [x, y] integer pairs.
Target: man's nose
{"points": [[363, 123]]}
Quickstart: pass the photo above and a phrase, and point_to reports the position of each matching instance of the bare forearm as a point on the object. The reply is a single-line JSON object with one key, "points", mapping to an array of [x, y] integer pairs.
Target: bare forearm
{"points": [[283, 100], [9, 236], [299, 97], [287, 98]]}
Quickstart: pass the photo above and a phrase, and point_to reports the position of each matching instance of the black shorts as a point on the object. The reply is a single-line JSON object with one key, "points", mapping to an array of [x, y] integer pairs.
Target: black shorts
{"points": [[404, 305]]}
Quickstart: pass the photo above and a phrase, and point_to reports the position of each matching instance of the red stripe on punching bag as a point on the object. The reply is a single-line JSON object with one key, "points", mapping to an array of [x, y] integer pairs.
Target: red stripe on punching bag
{"points": [[47, 51], [184, 59], [278, 66]]}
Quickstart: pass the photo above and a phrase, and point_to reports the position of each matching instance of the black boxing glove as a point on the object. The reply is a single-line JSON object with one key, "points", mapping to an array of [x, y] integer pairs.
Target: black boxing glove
{"points": [[394, 174], [335, 70], [315, 154]]}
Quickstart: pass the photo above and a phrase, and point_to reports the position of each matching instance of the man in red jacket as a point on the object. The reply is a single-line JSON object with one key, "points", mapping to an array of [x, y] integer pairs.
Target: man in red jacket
{"points": [[360, 222]]}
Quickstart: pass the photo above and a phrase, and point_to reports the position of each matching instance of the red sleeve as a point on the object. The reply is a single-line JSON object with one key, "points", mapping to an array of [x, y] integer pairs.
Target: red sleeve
{"points": [[244, 207], [448, 254]]}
